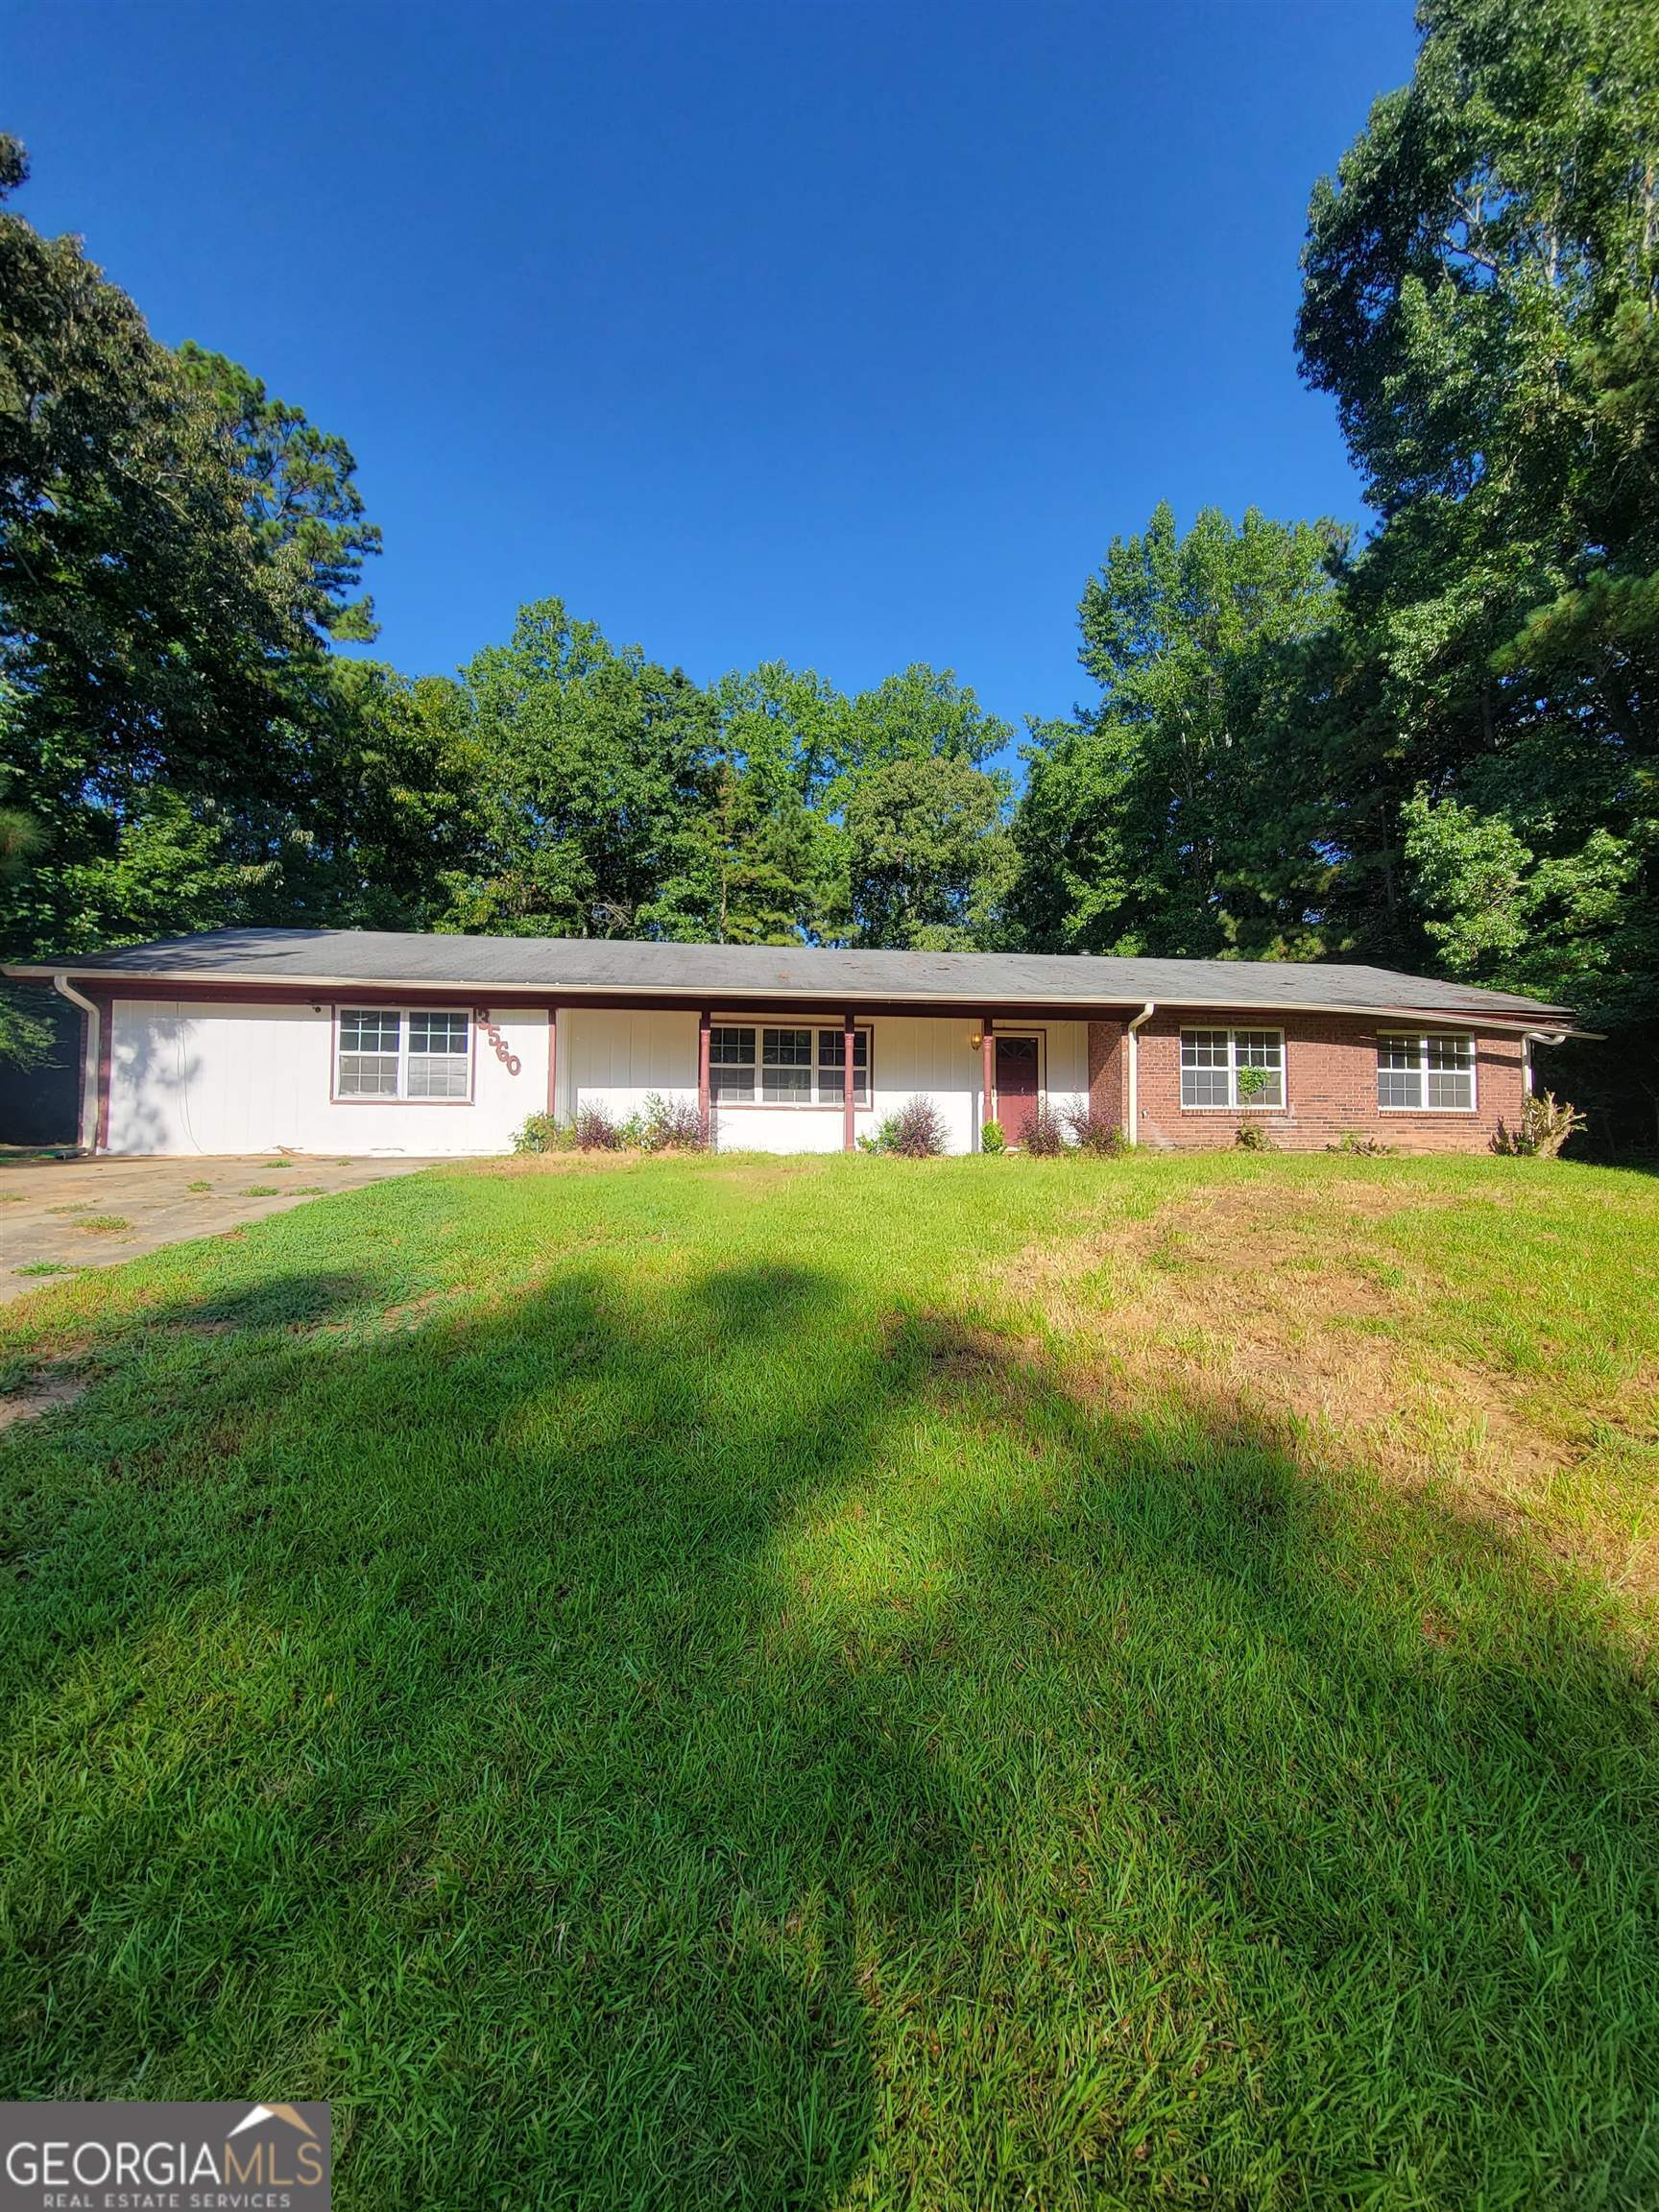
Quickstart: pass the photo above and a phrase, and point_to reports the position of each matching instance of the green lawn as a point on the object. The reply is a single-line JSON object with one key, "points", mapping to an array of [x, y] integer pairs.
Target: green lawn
{"points": [[843, 1683]]}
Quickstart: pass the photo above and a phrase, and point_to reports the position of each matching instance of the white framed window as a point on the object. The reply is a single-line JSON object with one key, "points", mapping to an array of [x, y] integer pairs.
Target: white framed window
{"points": [[786, 1058], [731, 1066], [797, 1066], [1232, 1069], [1426, 1074], [383, 1052]]}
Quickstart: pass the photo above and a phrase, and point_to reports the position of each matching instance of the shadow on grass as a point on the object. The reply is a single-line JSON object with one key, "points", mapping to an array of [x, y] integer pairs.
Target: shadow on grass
{"points": [[704, 1750]]}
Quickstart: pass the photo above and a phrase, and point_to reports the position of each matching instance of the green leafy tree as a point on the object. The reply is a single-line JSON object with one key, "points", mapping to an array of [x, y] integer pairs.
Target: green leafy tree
{"points": [[921, 714], [1184, 814], [1502, 915], [747, 868], [176, 549], [26, 1039], [763, 859], [136, 624], [1480, 285], [299, 495], [592, 761], [388, 804], [929, 860]]}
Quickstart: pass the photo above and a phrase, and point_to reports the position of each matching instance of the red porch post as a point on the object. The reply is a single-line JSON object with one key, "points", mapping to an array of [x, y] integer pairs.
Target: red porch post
{"points": [[848, 1139], [988, 1071], [703, 1113], [552, 1059]]}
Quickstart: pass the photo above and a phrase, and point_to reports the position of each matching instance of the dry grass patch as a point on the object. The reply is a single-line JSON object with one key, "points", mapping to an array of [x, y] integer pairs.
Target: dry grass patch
{"points": [[1278, 1305], [41, 1394]]}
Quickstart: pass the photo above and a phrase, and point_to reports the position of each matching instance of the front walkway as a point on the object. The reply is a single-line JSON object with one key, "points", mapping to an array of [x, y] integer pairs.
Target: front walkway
{"points": [[57, 1215]]}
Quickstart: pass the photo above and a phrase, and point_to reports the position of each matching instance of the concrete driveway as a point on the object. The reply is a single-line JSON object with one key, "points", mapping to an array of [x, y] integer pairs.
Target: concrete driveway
{"points": [[59, 1215]]}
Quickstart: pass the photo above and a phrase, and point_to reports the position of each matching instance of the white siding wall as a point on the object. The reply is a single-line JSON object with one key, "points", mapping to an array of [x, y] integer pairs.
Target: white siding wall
{"points": [[189, 1077], [920, 1056], [1067, 1065], [194, 1077], [616, 1059], [784, 1128]]}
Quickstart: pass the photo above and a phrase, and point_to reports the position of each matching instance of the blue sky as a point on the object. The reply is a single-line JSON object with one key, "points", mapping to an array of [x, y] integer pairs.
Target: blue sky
{"points": [[840, 334]]}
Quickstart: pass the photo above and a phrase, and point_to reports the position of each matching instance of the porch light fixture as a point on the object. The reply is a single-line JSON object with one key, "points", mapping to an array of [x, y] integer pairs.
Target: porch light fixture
{"points": [[976, 1038]]}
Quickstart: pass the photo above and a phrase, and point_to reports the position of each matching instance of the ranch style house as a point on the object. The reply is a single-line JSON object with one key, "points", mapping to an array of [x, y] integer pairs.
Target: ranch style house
{"points": [[370, 1041]]}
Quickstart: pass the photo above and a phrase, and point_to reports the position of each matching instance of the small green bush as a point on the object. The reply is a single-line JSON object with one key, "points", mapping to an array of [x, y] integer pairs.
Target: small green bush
{"points": [[1363, 1147], [673, 1125], [916, 1131], [992, 1138], [542, 1133], [1250, 1136]]}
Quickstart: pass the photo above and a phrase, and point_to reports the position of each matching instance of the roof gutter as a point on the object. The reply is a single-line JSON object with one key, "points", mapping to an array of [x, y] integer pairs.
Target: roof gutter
{"points": [[89, 1091], [1132, 1080]]}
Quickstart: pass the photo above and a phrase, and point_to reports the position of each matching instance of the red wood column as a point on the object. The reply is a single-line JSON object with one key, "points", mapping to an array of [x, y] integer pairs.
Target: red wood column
{"points": [[848, 1139], [552, 1059], [989, 1071], [702, 1114]]}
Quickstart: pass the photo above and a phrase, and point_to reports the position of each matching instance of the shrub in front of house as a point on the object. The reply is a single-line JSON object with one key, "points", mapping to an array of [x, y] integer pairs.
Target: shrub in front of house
{"points": [[1361, 1147], [542, 1133], [1046, 1138], [992, 1137], [594, 1131], [673, 1125], [1251, 1136], [916, 1131], [1094, 1133], [1545, 1127]]}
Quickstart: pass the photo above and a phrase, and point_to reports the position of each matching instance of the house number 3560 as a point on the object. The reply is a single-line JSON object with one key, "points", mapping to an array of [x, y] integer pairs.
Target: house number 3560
{"points": [[509, 1059]]}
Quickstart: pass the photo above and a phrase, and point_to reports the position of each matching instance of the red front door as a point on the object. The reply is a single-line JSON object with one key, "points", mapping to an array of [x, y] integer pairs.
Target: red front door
{"points": [[1016, 1086]]}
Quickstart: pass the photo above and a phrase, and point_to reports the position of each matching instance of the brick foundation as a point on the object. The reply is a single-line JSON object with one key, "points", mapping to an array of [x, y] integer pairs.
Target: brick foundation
{"points": [[1330, 1086]]}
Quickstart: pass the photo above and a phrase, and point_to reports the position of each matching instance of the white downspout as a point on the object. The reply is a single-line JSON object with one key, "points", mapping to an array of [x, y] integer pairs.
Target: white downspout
{"points": [[90, 1053], [1132, 1087]]}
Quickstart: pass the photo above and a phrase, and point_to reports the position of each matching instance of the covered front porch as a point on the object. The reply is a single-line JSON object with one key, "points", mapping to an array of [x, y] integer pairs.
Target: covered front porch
{"points": [[816, 1078]]}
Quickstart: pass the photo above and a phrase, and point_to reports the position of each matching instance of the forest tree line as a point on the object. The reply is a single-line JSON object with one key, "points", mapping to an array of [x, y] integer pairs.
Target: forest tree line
{"points": [[1431, 745]]}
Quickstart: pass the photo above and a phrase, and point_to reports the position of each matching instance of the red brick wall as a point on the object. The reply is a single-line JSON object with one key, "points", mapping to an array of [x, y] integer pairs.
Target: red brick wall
{"points": [[1106, 1071], [1330, 1086]]}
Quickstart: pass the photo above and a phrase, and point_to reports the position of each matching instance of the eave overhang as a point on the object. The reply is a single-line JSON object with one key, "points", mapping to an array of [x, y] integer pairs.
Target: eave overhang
{"points": [[1537, 1022]]}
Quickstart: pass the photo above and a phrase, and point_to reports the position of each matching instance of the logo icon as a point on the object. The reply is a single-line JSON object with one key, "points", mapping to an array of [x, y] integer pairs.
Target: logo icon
{"points": [[289, 2112]]}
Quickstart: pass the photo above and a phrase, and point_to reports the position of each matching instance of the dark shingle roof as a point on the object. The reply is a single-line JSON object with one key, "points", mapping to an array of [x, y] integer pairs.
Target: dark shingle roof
{"points": [[728, 974]]}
